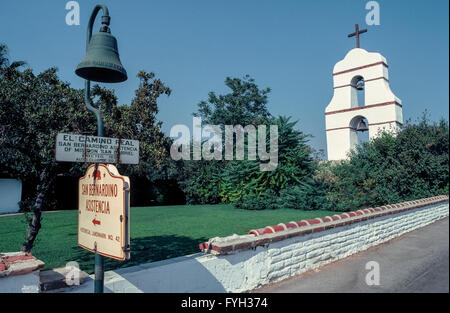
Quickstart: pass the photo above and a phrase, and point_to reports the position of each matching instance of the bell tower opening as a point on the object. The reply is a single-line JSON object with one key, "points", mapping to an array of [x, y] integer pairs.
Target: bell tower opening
{"points": [[358, 91], [359, 133]]}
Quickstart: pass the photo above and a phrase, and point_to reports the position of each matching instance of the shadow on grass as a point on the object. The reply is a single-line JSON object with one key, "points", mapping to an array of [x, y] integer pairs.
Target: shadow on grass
{"points": [[143, 250]]}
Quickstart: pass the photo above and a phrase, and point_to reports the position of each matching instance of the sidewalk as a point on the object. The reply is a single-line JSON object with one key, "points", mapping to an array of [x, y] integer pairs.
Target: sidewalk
{"points": [[415, 262]]}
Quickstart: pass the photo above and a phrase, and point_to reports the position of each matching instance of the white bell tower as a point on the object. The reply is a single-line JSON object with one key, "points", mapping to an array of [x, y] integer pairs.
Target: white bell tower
{"points": [[345, 116]]}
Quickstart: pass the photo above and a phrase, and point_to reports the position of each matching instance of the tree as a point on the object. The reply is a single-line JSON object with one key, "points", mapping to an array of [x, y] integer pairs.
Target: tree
{"points": [[33, 109], [245, 104], [5, 65], [247, 187], [156, 174], [138, 121], [201, 181]]}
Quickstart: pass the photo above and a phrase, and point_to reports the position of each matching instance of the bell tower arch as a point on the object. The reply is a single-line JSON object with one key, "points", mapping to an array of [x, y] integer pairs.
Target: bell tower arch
{"points": [[381, 109]]}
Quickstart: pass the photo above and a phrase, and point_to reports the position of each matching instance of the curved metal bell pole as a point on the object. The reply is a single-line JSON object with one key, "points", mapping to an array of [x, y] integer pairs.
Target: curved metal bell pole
{"points": [[99, 270], [90, 107], [105, 21], [101, 64]]}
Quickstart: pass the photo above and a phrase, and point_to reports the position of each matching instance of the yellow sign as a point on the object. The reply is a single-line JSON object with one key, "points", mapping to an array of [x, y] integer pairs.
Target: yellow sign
{"points": [[103, 212]]}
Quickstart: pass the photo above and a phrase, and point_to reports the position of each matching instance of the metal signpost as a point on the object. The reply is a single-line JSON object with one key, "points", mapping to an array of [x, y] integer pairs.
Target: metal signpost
{"points": [[101, 64]]}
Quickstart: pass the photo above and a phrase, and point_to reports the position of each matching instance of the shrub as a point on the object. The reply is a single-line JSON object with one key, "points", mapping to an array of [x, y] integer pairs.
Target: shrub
{"points": [[247, 187], [389, 169]]}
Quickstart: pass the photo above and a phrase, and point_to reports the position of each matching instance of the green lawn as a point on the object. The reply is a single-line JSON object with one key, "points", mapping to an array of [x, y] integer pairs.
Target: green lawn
{"points": [[157, 233]]}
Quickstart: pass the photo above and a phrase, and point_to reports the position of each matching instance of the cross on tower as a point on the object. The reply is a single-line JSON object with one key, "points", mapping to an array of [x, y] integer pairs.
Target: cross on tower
{"points": [[356, 33]]}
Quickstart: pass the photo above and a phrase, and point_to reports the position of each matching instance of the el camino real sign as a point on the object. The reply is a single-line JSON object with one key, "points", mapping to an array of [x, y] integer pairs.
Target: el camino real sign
{"points": [[94, 149]]}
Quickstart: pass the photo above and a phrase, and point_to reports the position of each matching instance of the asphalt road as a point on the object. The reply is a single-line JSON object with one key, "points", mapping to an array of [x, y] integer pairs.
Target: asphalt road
{"points": [[415, 262]]}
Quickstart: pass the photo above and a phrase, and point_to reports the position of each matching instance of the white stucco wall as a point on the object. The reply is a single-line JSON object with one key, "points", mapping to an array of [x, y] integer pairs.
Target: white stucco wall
{"points": [[10, 195], [248, 269]]}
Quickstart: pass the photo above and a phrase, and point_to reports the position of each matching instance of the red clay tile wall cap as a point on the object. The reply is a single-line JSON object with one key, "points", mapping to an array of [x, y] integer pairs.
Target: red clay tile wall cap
{"points": [[18, 263], [228, 244], [370, 212], [214, 244]]}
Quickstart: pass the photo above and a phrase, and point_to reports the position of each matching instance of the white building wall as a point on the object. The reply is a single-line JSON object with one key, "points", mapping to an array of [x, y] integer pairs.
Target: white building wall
{"points": [[10, 195]]}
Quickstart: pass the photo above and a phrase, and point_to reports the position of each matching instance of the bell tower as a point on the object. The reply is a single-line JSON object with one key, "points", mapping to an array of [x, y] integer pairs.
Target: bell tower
{"points": [[346, 116]]}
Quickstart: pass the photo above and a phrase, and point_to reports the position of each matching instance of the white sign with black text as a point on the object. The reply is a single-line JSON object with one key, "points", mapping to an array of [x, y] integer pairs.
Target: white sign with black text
{"points": [[94, 149]]}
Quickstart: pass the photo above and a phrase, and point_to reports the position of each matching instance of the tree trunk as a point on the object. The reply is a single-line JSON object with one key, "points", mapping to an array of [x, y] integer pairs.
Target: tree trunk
{"points": [[35, 222]]}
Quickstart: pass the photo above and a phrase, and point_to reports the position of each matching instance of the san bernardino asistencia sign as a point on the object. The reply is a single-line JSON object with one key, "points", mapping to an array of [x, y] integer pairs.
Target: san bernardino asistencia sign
{"points": [[104, 212]]}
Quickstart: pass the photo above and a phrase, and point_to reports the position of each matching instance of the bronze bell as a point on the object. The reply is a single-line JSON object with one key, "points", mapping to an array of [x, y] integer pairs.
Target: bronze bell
{"points": [[102, 63], [362, 127], [360, 85]]}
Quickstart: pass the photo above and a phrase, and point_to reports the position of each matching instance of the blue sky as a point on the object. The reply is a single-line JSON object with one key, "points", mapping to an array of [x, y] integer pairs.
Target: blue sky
{"points": [[289, 46]]}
